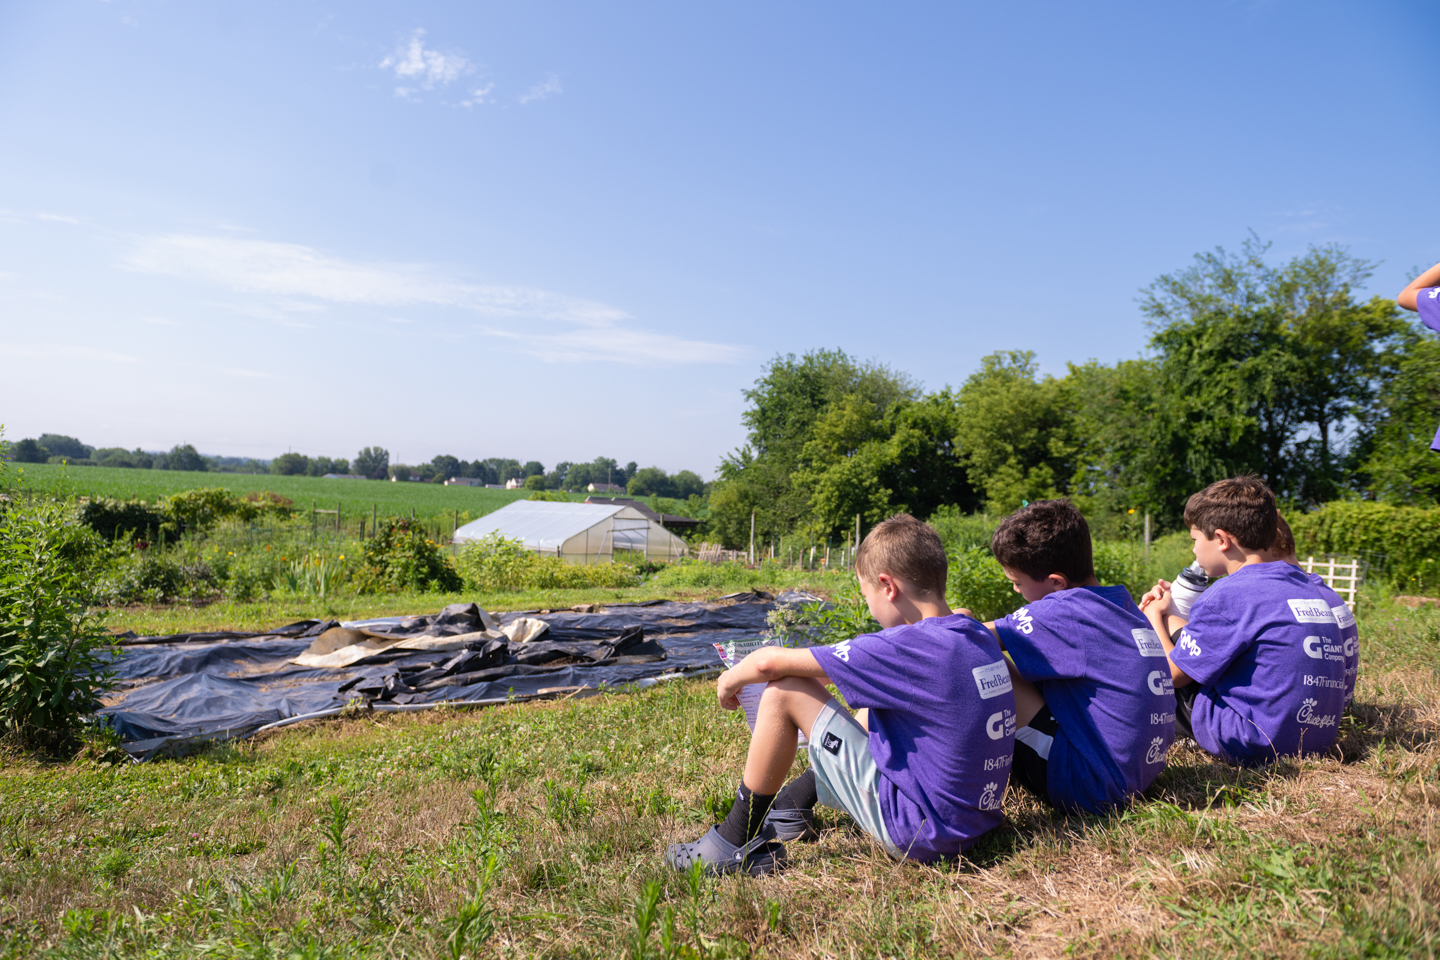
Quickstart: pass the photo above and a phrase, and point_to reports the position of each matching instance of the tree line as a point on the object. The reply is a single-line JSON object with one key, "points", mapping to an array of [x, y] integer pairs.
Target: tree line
{"points": [[1274, 369], [373, 463]]}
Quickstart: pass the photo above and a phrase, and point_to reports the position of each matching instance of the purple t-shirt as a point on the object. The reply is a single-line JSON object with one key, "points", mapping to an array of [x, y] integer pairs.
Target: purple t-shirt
{"points": [[1349, 631], [1265, 648], [1427, 303], [942, 727], [1102, 671]]}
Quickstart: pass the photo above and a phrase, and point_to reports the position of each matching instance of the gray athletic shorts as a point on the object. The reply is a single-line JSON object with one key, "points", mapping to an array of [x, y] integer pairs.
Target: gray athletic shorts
{"points": [[846, 777]]}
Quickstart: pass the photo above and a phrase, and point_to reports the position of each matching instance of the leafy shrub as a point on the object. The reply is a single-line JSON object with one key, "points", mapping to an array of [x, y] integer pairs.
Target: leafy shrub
{"points": [[53, 654], [496, 564], [201, 509], [154, 577], [400, 557], [316, 576], [824, 624], [131, 519], [1124, 565], [697, 573], [1401, 543], [977, 583], [960, 531]]}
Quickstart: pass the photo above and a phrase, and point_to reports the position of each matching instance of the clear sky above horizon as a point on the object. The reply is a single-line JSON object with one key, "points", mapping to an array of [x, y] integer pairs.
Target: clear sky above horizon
{"points": [[561, 230]]}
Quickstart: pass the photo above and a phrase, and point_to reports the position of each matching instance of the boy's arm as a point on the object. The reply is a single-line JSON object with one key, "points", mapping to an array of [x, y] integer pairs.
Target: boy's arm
{"points": [[1430, 278], [1166, 623], [764, 665]]}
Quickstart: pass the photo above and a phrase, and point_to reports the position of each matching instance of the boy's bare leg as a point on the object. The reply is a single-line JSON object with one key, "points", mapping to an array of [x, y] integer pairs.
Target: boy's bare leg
{"points": [[788, 705], [1027, 698]]}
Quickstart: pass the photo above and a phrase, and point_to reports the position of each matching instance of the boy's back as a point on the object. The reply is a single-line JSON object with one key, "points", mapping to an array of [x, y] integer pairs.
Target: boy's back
{"points": [[1349, 632], [942, 727], [1264, 647], [1102, 672]]}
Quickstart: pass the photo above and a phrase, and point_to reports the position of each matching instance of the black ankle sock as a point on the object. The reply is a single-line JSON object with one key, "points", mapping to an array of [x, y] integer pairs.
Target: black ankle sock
{"points": [[798, 794], [746, 817]]}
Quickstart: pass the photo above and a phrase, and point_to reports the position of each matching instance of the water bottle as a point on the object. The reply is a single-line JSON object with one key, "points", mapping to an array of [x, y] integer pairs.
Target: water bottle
{"points": [[1187, 587]]}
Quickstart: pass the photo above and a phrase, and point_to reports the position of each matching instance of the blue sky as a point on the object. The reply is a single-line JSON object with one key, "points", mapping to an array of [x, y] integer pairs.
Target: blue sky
{"points": [[560, 230]]}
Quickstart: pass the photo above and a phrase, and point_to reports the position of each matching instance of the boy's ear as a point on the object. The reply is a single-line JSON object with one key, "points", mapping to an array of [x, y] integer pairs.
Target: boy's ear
{"points": [[1059, 581], [1223, 538]]}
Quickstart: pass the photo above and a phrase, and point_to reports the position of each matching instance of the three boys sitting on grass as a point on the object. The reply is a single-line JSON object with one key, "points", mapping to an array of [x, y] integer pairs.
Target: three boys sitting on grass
{"points": [[1082, 706]]}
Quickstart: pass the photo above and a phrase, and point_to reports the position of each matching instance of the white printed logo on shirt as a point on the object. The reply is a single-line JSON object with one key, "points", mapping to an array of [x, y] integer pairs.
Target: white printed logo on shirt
{"points": [[1307, 714], [1314, 647], [842, 650], [1311, 611], [1188, 644], [992, 679], [989, 799], [1351, 647], [1000, 725], [1343, 616], [1023, 621], [1156, 753], [1148, 643], [1160, 683]]}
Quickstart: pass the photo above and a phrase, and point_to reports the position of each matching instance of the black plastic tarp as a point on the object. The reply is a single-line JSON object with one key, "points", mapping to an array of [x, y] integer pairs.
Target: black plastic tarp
{"points": [[228, 684]]}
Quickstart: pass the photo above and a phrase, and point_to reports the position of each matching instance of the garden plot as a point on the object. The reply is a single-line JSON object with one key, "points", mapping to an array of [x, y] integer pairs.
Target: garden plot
{"points": [[176, 690]]}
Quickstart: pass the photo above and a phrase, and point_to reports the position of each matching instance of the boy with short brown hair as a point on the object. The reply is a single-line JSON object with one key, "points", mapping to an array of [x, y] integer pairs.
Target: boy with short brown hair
{"points": [[1259, 668], [1096, 711], [927, 777]]}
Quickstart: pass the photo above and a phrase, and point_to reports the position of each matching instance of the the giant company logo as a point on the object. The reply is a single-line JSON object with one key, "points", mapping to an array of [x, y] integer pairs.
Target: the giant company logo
{"points": [[1000, 725], [1148, 643], [1307, 714], [1352, 646], [1311, 611], [1156, 753], [990, 799], [1160, 683], [992, 679], [1023, 621], [1315, 647]]}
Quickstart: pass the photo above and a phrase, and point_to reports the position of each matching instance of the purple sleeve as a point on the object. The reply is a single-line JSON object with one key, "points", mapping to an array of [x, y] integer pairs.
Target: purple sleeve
{"points": [[1039, 643], [870, 671], [1208, 645], [1427, 302]]}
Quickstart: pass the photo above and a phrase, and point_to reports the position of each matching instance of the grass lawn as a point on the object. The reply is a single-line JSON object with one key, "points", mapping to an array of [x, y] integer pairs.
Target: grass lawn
{"points": [[431, 501], [536, 830]]}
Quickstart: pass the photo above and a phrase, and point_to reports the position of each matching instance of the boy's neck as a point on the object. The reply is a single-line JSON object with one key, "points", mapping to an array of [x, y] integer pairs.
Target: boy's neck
{"points": [[917, 610], [1241, 558]]}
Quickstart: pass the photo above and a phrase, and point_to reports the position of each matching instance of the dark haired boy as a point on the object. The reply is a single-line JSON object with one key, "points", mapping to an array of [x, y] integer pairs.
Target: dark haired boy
{"points": [[1423, 296], [1259, 668], [928, 776], [1097, 711]]}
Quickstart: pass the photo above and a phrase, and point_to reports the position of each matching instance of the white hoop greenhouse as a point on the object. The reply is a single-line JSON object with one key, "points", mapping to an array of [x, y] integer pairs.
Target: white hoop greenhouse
{"points": [[578, 532]]}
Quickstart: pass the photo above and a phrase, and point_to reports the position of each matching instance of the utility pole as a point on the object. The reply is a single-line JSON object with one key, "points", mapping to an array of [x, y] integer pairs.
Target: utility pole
{"points": [[857, 531], [1147, 536]]}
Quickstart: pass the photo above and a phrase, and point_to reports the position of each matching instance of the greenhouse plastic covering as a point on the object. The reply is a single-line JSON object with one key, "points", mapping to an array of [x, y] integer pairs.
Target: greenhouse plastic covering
{"points": [[576, 531], [177, 689]]}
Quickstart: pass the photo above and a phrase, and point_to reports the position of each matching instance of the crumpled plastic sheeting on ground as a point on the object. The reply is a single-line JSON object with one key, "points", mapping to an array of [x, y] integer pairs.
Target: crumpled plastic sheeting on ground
{"points": [[219, 685]]}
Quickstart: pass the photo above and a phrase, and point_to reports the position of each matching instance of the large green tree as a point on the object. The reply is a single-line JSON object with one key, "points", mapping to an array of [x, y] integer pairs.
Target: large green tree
{"points": [[1396, 460]]}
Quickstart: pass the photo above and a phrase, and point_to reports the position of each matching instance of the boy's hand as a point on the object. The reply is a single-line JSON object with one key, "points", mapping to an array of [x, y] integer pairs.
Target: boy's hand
{"points": [[728, 690], [1160, 593]]}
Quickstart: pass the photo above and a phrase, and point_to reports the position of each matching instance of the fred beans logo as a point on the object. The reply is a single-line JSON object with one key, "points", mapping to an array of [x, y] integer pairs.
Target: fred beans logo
{"points": [[993, 679], [842, 650], [1343, 616], [1160, 683], [1311, 611], [1156, 753], [1307, 714], [990, 797], [1000, 725], [1188, 644], [1022, 621], [1148, 643]]}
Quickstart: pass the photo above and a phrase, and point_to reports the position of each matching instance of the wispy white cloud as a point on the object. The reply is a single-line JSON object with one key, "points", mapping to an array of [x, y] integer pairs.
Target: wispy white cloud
{"points": [[479, 97], [55, 218], [423, 66], [548, 87], [285, 277]]}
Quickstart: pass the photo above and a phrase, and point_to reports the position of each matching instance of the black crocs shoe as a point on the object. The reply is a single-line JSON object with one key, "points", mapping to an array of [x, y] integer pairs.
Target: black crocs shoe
{"points": [[793, 824], [758, 857]]}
